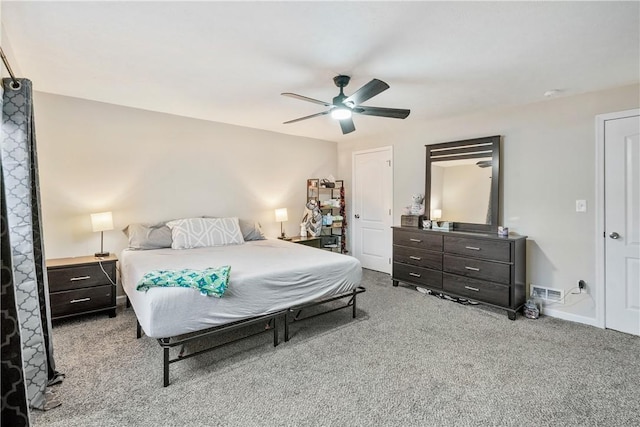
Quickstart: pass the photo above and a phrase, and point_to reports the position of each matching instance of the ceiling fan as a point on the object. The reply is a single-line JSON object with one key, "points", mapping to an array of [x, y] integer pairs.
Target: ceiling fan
{"points": [[344, 106]]}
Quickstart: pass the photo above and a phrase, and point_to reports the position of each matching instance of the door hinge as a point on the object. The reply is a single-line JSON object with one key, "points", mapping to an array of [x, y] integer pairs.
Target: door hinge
{"points": [[389, 163], [389, 211], [389, 260]]}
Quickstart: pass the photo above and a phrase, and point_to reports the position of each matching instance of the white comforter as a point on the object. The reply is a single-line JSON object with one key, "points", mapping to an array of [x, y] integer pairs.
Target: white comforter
{"points": [[266, 276]]}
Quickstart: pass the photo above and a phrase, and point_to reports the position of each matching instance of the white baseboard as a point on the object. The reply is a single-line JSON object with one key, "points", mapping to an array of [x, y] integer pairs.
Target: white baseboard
{"points": [[121, 300], [571, 317]]}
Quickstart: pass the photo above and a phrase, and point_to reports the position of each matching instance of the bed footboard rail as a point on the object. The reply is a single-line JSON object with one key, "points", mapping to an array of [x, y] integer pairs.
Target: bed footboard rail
{"points": [[168, 343], [294, 312]]}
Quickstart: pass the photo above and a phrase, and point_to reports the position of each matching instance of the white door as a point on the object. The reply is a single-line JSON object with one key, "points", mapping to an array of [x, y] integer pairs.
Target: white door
{"points": [[372, 202], [622, 224]]}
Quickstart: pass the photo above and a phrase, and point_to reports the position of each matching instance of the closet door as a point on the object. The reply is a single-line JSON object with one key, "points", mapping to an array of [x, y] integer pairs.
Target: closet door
{"points": [[372, 203], [622, 224]]}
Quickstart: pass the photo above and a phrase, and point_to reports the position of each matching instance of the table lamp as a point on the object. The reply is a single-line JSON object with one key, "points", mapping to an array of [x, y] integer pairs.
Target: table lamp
{"points": [[281, 216], [436, 214], [102, 222]]}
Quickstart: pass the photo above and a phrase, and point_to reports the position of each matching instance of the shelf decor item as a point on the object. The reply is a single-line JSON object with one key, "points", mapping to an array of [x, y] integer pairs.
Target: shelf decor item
{"points": [[411, 220], [102, 222], [442, 225]]}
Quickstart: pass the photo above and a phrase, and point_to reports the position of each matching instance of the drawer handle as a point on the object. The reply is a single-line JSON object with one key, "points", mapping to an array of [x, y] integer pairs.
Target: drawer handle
{"points": [[473, 248], [472, 289], [417, 258], [472, 268], [414, 274], [75, 279], [415, 240], [73, 301]]}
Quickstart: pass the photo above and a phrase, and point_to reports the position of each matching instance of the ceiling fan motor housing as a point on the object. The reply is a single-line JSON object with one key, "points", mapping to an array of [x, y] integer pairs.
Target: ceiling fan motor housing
{"points": [[341, 81]]}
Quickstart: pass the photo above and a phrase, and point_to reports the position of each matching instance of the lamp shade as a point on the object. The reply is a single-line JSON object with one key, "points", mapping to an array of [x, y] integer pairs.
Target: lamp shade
{"points": [[102, 221], [437, 214], [281, 215]]}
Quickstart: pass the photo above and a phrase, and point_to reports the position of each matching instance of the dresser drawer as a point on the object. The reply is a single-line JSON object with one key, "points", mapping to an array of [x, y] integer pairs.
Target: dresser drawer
{"points": [[417, 239], [80, 276], [82, 300], [478, 248], [414, 274], [492, 293], [478, 269], [417, 257]]}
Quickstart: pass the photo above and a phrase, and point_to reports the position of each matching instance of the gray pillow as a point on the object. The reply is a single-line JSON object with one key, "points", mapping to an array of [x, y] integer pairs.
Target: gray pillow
{"points": [[148, 236], [251, 230]]}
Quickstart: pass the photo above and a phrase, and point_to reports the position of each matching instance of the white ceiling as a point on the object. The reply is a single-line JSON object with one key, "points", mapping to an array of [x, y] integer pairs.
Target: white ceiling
{"points": [[229, 61]]}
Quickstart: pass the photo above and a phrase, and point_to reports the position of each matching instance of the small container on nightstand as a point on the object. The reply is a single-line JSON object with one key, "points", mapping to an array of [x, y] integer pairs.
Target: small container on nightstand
{"points": [[81, 285]]}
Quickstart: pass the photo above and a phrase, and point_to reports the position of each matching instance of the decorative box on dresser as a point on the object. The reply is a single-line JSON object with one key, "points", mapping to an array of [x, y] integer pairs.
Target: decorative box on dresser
{"points": [[81, 285], [480, 267]]}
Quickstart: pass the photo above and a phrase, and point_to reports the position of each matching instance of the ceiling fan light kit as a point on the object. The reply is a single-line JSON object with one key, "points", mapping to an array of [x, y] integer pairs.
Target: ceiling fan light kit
{"points": [[340, 113], [344, 106]]}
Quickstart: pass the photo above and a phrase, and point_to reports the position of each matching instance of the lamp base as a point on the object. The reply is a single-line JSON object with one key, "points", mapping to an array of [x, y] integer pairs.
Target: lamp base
{"points": [[102, 254]]}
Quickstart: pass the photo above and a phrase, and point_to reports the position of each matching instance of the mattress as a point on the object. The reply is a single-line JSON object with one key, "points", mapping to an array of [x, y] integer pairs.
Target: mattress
{"points": [[266, 276]]}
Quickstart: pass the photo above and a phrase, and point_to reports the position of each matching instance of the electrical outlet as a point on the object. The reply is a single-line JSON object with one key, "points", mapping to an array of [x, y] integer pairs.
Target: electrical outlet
{"points": [[582, 285]]}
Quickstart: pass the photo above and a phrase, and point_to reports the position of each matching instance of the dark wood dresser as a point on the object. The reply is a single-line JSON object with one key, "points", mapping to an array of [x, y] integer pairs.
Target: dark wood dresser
{"points": [[480, 267], [81, 285]]}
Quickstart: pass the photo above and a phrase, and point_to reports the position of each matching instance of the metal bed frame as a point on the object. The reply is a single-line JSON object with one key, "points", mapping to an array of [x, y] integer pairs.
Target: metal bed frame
{"points": [[271, 320], [298, 309]]}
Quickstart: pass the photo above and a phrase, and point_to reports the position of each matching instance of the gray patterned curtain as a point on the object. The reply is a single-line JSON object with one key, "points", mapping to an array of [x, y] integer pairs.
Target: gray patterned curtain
{"points": [[24, 260]]}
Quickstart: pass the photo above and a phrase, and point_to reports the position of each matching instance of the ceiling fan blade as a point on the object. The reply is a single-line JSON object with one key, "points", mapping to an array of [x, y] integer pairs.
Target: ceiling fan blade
{"points": [[394, 113], [347, 126], [306, 98], [366, 92], [307, 117]]}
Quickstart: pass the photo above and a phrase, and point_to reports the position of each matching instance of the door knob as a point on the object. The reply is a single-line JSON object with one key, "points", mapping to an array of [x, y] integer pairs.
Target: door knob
{"points": [[614, 235], [357, 216]]}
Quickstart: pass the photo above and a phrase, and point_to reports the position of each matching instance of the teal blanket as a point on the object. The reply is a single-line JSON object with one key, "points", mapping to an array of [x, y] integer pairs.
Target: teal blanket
{"points": [[210, 281]]}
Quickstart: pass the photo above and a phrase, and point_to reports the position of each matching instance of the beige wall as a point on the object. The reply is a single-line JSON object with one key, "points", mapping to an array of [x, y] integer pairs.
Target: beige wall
{"points": [[548, 163], [145, 166]]}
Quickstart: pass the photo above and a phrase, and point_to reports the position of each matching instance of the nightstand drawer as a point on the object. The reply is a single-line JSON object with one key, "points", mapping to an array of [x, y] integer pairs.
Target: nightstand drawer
{"points": [[478, 269], [479, 290], [417, 257], [478, 248], [80, 276], [413, 274], [82, 300]]}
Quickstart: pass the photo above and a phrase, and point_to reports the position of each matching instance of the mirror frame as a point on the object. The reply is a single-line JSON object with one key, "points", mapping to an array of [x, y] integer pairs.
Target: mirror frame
{"points": [[468, 149]]}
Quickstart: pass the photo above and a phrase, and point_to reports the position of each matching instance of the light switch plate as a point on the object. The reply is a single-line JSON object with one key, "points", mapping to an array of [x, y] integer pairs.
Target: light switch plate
{"points": [[581, 205]]}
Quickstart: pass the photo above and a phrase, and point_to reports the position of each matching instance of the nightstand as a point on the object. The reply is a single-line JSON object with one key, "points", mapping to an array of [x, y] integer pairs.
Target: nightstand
{"points": [[307, 241], [81, 285]]}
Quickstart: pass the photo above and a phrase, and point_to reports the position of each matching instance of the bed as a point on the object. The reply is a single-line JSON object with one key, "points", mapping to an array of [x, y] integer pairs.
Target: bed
{"points": [[270, 281]]}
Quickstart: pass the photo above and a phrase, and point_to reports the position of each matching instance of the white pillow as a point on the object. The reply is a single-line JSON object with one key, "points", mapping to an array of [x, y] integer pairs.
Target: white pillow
{"points": [[200, 232]]}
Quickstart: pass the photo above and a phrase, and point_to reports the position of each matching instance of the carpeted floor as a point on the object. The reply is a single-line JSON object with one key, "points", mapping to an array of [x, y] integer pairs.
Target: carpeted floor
{"points": [[408, 360]]}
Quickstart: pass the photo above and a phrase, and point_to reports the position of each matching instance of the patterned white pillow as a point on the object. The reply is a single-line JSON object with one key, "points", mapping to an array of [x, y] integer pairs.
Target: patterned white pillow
{"points": [[200, 232]]}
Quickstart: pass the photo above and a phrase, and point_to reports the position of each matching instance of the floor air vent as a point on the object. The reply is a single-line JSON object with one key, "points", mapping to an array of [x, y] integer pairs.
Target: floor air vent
{"points": [[547, 294]]}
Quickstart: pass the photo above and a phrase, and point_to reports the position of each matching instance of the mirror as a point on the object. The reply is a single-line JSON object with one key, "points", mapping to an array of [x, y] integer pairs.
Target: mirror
{"points": [[462, 183]]}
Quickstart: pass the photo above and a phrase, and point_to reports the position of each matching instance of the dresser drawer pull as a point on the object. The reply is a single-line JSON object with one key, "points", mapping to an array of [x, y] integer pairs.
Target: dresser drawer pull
{"points": [[414, 274], [415, 240], [75, 279], [473, 248], [79, 300], [472, 268], [472, 289], [417, 258]]}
